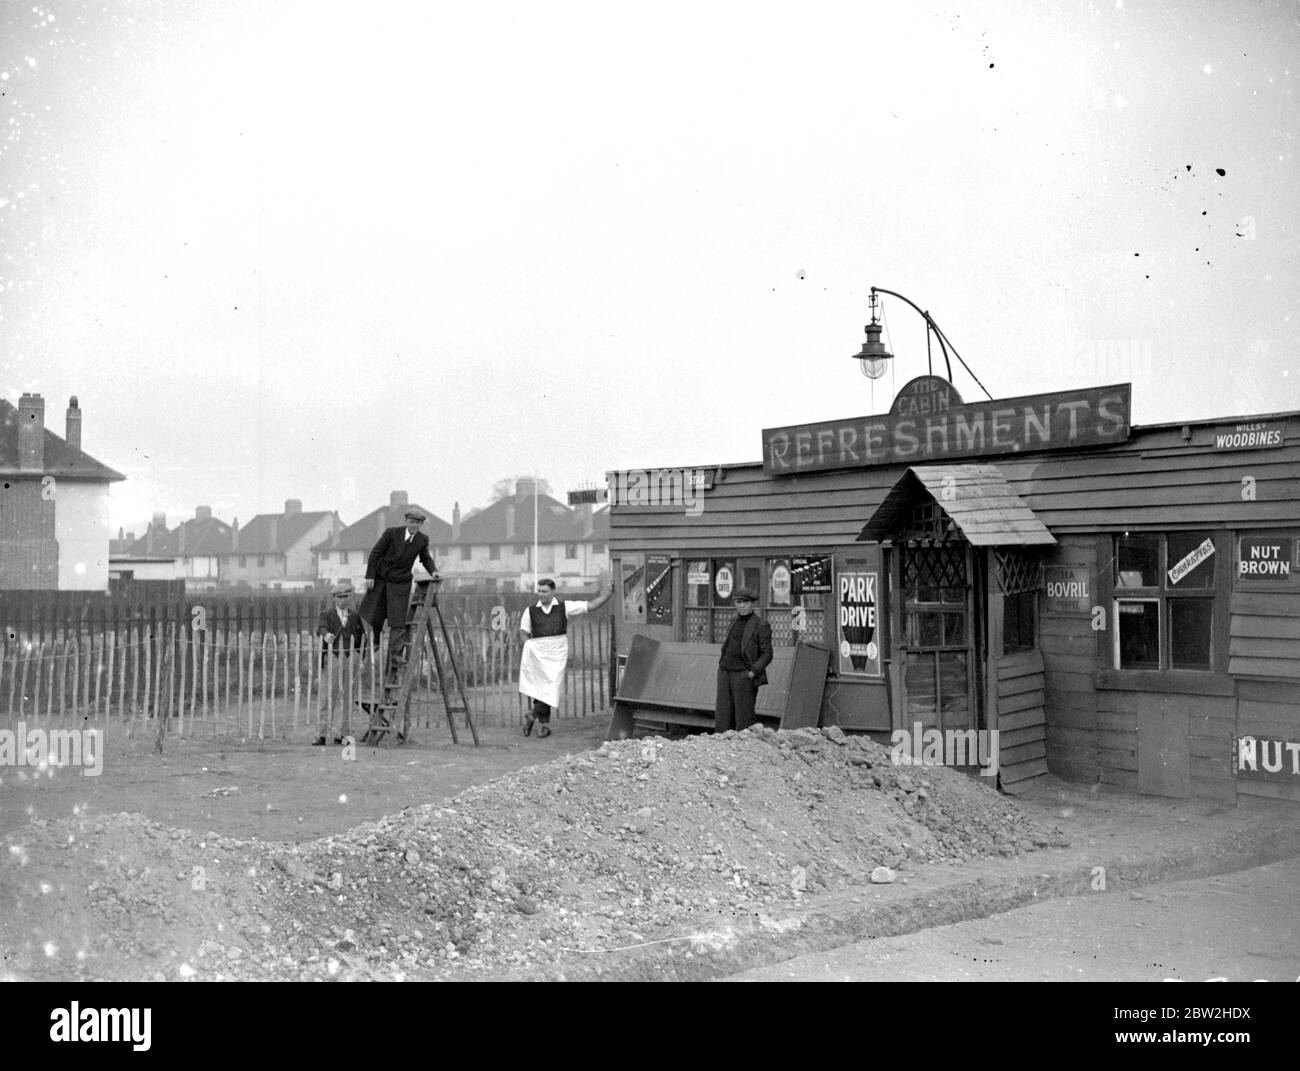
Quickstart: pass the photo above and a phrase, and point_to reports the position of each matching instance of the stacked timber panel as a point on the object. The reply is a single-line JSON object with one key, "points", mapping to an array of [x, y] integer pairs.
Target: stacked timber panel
{"points": [[1069, 647], [1269, 709], [1022, 736], [1264, 655]]}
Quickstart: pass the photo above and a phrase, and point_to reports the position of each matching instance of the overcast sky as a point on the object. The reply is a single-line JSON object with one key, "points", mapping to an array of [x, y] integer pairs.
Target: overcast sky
{"points": [[320, 250]]}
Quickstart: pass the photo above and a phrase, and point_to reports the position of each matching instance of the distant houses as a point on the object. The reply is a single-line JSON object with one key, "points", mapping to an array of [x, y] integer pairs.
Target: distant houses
{"points": [[489, 550], [274, 550], [54, 531], [343, 555], [492, 550], [191, 551]]}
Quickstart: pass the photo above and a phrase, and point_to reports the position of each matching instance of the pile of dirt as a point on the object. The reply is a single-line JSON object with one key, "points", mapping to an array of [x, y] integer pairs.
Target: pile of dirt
{"points": [[639, 842]]}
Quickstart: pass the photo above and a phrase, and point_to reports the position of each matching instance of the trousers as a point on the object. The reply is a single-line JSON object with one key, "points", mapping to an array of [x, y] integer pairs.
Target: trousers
{"points": [[736, 696]]}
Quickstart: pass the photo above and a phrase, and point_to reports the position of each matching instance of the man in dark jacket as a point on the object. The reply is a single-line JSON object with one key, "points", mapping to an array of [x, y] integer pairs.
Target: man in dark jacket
{"points": [[339, 629], [746, 653], [388, 575]]}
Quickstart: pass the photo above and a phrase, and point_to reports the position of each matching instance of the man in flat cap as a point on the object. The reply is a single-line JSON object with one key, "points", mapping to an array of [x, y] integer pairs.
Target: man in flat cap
{"points": [[388, 576], [339, 629], [742, 669]]}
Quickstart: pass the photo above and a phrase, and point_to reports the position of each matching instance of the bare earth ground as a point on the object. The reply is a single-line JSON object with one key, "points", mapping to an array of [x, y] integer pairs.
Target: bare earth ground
{"points": [[287, 790], [558, 858]]}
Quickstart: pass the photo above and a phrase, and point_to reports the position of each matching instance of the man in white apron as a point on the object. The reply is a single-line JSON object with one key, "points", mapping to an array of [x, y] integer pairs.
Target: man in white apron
{"points": [[545, 628]]}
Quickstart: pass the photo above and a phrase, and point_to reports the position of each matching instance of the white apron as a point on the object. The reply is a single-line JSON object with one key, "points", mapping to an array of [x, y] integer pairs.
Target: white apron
{"points": [[541, 670]]}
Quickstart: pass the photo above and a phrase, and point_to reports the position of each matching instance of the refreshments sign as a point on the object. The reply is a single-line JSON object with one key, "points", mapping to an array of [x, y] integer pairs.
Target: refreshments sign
{"points": [[927, 425]]}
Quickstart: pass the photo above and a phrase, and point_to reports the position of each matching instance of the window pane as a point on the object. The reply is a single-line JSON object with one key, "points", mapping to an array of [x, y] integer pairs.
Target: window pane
{"points": [[697, 583], [1181, 545], [779, 582], [954, 595], [1189, 632], [1139, 634], [1018, 613], [1137, 562], [954, 630]]}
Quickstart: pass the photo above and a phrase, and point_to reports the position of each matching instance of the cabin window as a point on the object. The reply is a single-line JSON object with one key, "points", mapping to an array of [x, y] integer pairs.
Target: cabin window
{"points": [[1164, 604], [1019, 574], [1020, 622], [494, 553], [466, 553]]}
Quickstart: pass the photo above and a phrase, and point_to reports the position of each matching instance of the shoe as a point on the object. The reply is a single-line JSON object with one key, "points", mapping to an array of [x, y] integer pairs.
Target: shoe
{"points": [[528, 725], [544, 731], [318, 742]]}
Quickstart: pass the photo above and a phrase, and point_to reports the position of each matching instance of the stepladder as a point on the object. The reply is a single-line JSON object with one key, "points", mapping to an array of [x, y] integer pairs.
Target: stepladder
{"points": [[425, 630]]}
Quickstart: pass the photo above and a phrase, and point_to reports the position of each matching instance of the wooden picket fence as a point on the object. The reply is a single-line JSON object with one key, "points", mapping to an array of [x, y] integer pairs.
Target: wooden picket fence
{"points": [[265, 683]]}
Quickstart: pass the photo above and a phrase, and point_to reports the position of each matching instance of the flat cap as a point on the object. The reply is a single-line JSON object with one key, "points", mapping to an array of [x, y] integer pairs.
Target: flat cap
{"points": [[746, 594], [343, 587], [414, 515]]}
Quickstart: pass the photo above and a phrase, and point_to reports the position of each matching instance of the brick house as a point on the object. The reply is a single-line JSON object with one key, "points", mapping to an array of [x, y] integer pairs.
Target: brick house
{"points": [[54, 532]]}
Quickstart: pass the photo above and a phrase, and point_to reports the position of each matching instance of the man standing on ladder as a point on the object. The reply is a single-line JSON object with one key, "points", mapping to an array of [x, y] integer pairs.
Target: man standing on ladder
{"points": [[545, 627], [388, 579]]}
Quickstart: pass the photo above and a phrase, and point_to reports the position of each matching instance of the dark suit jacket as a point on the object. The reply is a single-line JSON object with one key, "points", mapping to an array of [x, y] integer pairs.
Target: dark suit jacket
{"points": [[332, 633], [392, 557], [756, 647]]}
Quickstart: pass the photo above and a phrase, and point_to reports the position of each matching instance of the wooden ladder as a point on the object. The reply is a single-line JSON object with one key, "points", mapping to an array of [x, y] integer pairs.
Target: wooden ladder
{"points": [[403, 668]]}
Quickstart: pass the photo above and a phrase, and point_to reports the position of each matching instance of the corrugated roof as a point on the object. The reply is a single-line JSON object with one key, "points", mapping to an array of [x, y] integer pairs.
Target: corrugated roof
{"points": [[60, 458], [364, 533], [977, 498]]}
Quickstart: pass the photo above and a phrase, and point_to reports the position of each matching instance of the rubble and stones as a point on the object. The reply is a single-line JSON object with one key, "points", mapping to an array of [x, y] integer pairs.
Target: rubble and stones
{"points": [[638, 842]]}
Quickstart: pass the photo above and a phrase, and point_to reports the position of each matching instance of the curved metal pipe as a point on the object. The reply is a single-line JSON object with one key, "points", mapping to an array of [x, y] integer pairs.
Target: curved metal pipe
{"points": [[930, 325]]}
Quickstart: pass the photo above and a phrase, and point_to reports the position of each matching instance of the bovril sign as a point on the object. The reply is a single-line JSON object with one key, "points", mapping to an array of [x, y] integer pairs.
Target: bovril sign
{"points": [[1069, 589]]}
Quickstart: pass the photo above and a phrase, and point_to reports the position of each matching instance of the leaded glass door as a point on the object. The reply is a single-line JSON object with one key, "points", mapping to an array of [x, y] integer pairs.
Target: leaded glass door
{"points": [[937, 633]]}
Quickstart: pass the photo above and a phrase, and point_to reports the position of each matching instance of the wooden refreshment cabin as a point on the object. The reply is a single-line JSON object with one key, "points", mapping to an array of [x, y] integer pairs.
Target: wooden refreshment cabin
{"points": [[1121, 603]]}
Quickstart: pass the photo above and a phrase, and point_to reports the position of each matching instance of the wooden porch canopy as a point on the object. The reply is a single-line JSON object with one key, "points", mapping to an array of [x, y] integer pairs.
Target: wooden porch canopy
{"points": [[977, 498]]}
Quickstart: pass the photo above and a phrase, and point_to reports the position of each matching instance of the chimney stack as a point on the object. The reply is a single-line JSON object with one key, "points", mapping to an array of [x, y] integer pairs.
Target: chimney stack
{"points": [[74, 424], [292, 507], [398, 500], [455, 522], [159, 521], [525, 486], [588, 524], [31, 433], [203, 513]]}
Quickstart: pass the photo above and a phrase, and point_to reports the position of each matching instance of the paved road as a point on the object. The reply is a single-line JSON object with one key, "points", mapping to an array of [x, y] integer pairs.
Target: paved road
{"points": [[1243, 926]]}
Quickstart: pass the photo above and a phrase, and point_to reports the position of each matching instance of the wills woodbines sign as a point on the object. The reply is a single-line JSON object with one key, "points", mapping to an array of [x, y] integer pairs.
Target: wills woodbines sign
{"points": [[934, 431]]}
